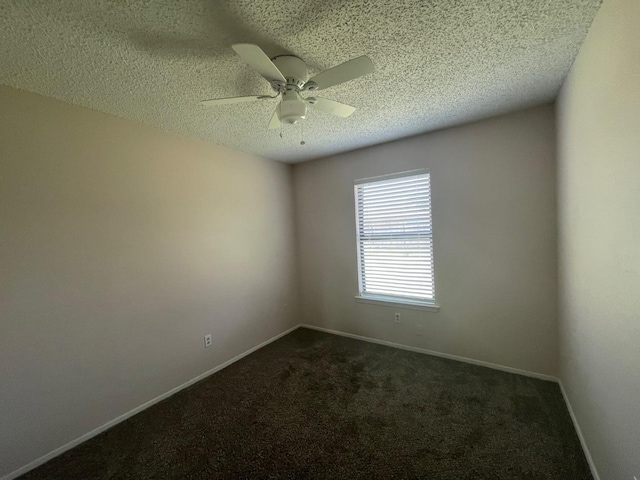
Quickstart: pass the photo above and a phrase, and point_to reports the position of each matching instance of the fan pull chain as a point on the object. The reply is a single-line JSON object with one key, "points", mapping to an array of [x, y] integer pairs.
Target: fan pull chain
{"points": [[281, 130], [302, 133]]}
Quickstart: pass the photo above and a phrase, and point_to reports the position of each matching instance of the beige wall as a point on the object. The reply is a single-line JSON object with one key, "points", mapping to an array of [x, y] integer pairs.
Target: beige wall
{"points": [[494, 214], [121, 246], [599, 214]]}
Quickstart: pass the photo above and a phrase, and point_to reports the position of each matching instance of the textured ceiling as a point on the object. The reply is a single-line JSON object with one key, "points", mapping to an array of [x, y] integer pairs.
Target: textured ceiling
{"points": [[438, 63]]}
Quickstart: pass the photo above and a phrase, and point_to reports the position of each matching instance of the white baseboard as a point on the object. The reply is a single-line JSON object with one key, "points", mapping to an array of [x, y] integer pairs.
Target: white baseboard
{"points": [[495, 366], [527, 373], [83, 438], [583, 442], [472, 361], [121, 418]]}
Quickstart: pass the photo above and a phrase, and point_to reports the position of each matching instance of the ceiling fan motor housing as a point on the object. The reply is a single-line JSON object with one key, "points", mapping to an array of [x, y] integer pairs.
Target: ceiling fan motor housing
{"points": [[293, 69]]}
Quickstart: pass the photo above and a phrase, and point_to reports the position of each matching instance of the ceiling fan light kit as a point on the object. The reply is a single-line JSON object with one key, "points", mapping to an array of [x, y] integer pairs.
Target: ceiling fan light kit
{"points": [[292, 108], [287, 75]]}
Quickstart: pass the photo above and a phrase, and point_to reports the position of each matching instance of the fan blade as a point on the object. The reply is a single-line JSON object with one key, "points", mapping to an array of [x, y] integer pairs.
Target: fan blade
{"points": [[259, 61], [224, 101], [344, 72], [332, 107], [275, 121]]}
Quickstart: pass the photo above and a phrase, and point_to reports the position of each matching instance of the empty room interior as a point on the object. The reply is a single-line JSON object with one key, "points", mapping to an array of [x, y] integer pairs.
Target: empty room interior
{"points": [[320, 239]]}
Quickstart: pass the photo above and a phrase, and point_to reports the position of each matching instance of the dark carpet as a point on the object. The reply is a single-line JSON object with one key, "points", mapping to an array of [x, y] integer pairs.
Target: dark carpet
{"points": [[314, 405]]}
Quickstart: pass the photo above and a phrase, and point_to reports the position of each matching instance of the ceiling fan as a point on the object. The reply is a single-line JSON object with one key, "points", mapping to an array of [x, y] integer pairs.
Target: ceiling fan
{"points": [[287, 75]]}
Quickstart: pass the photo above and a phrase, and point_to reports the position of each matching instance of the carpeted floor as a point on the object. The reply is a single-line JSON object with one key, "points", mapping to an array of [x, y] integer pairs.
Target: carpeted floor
{"points": [[314, 405]]}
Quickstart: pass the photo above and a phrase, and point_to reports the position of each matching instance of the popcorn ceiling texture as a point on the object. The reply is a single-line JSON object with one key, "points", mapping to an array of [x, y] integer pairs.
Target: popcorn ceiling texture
{"points": [[438, 63]]}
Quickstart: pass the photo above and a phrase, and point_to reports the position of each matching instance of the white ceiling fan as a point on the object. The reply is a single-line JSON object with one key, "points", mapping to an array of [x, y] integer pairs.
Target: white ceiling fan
{"points": [[287, 75]]}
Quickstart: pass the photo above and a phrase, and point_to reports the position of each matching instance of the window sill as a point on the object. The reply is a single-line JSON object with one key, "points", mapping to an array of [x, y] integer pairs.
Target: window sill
{"points": [[398, 303]]}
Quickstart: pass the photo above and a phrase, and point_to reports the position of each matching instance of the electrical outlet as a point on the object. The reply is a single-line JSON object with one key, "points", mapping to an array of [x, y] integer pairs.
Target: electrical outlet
{"points": [[397, 317], [419, 329], [207, 341]]}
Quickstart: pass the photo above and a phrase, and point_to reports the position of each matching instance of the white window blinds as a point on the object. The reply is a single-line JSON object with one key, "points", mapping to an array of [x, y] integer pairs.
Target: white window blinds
{"points": [[395, 247]]}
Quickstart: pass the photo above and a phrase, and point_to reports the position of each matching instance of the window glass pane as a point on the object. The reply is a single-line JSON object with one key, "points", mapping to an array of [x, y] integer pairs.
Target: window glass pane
{"points": [[395, 247]]}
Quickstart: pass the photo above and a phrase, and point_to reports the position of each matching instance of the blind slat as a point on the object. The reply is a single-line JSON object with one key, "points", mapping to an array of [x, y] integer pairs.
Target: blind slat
{"points": [[390, 184], [423, 263], [402, 286], [411, 194]]}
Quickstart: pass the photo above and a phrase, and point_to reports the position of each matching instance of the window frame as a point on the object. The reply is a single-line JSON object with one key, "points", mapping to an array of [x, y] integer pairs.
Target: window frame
{"points": [[389, 300]]}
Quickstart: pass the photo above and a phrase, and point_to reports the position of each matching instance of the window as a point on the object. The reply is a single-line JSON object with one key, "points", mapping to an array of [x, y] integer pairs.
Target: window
{"points": [[395, 245]]}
